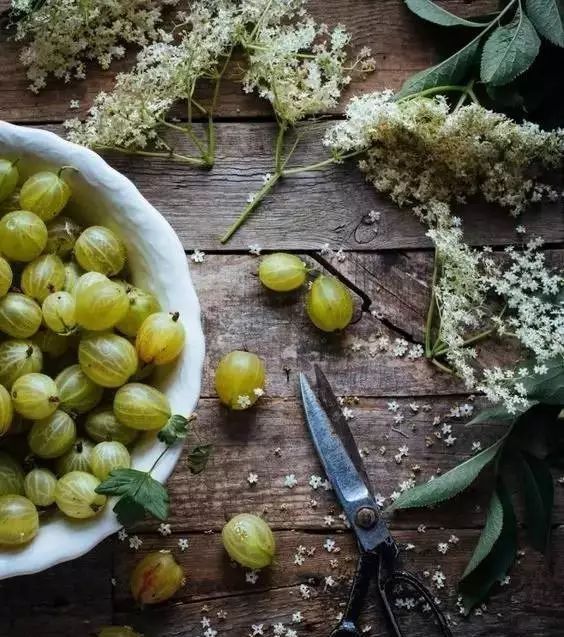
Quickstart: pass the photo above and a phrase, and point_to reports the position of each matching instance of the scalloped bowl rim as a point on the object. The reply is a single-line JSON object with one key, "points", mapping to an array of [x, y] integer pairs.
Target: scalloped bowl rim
{"points": [[61, 539]]}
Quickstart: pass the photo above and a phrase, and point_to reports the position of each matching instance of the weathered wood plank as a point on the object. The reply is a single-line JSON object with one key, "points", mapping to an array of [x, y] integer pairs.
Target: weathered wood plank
{"points": [[70, 599], [530, 602], [277, 327], [397, 284], [401, 45], [272, 441], [307, 210]]}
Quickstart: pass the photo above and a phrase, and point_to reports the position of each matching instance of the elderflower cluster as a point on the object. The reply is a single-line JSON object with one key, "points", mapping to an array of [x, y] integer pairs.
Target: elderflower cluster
{"points": [[419, 152], [62, 35], [424, 156], [514, 294], [165, 72], [299, 66]]}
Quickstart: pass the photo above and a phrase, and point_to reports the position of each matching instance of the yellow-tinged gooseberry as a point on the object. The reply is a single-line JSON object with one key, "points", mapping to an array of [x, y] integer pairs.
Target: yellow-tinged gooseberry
{"points": [[45, 194], [249, 541], [156, 578], [329, 304], [160, 338], [282, 272], [239, 379]]}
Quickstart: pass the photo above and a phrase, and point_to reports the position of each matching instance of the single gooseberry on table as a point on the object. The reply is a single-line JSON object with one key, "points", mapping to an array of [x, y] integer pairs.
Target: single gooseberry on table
{"points": [[329, 304], [240, 379], [156, 578], [282, 272], [249, 541]]}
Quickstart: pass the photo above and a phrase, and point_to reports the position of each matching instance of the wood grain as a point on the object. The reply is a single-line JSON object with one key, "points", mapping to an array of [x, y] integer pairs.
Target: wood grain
{"points": [[272, 441], [307, 210], [399, 41], [388, 272], [275, 597]]}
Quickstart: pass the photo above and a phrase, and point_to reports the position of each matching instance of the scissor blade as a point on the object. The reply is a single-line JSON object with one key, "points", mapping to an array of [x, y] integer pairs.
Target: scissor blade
{"points": [[331, 405], [349, 486]]}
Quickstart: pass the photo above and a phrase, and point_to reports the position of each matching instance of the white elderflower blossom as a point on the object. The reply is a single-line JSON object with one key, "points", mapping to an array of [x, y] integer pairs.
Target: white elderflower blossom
{"points": [[62, 35], [300, 84], [419, 152], [166, 71]]}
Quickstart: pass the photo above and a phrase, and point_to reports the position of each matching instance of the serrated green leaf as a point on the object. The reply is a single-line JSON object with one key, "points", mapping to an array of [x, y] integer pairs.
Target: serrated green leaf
{"points": [[450, 483], [547, 17], [538, 491], [509, 51], [139, 492], [475, 586], [128, 511], [198, 458], [489, 535], [450, 71], [431, 12], [119, 481], [175, 429]]}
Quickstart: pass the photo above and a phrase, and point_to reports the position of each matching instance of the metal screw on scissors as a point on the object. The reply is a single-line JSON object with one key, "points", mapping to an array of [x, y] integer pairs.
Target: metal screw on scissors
{"points": [[345, 470]]}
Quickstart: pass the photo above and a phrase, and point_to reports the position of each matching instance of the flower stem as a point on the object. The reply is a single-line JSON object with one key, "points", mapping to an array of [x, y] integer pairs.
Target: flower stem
{"points": [[322, 164], [196, 161], [431, 308], [443, 368], [280, 171], [259, 196], [473, 339]]}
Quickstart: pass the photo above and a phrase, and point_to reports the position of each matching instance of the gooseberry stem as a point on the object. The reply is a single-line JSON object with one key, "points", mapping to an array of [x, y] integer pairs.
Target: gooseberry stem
{"points": [[60, 171]]}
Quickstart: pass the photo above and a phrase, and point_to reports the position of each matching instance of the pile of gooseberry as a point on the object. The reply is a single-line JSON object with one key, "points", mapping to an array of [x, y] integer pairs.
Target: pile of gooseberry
{"points": [[78, 345]]}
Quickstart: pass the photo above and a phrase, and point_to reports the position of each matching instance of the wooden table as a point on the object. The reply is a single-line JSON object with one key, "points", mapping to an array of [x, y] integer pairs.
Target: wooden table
{"points": [[389, 273]]}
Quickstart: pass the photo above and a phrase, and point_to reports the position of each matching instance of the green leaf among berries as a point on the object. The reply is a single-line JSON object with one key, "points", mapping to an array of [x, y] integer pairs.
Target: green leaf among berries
{"points": [[139, 493], [175, 429]]}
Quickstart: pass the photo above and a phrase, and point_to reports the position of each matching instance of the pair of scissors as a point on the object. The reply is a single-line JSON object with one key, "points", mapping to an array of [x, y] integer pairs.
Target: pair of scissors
{"points": [[345, 470]]}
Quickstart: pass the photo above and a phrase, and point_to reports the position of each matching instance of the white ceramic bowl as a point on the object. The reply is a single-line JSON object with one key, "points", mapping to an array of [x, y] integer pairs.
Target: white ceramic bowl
{"points": [[158, 263]]}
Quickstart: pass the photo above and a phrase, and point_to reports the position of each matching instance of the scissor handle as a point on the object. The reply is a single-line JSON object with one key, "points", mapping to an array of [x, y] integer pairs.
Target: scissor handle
{"points": [[395, 576], [379, 566]]}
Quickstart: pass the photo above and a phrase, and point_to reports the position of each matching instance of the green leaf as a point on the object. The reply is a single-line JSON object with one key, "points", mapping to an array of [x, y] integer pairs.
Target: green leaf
{"points": [[139, 493], [547, 388], [489, 535], [476, 584], [450, 483], [198, 458], [547, 17], [128, 511], [493, 414], [538, 490], [175, 429], [509, 51], [450, 71], [431, 12]]}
